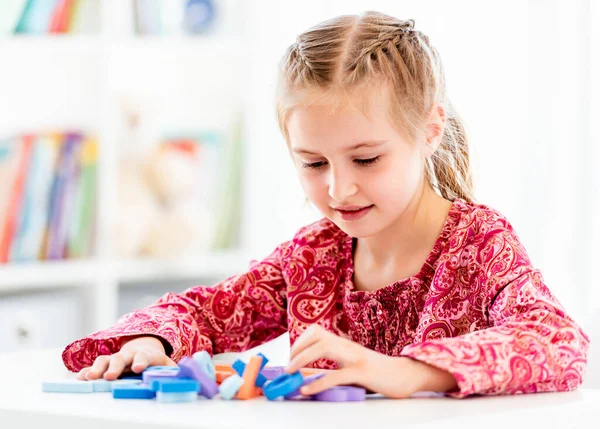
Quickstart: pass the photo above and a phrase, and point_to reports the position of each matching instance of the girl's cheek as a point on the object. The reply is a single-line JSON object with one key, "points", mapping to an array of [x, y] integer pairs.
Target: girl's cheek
{"points": [[310, 185]]}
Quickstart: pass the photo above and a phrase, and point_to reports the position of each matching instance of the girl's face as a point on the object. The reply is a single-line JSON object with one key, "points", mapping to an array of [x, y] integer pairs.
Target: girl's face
{"points": [[359, 171]]}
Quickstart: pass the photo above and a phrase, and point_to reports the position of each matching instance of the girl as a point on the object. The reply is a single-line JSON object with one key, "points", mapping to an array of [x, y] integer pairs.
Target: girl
{"points": [[406, 284]]}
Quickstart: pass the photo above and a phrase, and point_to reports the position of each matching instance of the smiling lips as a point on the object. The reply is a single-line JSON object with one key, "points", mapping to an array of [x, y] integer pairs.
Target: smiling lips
{"points": [[350, 213]]}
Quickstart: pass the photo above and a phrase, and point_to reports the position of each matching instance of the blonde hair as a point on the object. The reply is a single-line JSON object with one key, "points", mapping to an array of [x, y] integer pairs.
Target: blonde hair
{"points": [[335, 61]]}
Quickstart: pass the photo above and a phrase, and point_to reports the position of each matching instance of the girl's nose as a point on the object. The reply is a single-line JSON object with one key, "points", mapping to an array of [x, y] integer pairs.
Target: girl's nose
{"points": [[342, 185]]}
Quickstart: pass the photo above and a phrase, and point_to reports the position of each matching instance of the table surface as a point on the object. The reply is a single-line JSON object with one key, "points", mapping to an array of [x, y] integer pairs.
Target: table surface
{"points": [[22, 400]]}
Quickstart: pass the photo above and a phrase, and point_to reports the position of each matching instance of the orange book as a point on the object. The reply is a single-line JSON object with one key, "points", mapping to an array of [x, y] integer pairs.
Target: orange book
{"points": [[61, 16], [16, 198]]}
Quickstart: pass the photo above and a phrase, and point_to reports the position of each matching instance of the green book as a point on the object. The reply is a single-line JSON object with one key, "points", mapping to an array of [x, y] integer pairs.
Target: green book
{"points": [[80, 232], [10, 12]]}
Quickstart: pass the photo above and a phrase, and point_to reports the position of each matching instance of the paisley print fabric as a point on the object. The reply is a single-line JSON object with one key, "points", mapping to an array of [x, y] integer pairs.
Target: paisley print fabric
{"points": [[477, 309]]}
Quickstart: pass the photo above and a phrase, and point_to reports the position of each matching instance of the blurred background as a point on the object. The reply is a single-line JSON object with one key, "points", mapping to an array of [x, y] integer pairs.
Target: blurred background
{"points": [[139, 150]]}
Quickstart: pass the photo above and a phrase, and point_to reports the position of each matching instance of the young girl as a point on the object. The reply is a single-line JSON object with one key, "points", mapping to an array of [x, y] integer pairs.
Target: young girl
{"points": [[406, 284]]}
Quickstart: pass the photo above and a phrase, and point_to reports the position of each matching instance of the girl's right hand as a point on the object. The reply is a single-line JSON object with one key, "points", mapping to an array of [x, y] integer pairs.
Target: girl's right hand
{"points": [[135, 355]]}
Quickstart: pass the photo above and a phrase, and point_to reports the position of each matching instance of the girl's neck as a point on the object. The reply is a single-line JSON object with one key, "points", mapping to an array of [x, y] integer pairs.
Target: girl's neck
{"points": [[411, 236]]}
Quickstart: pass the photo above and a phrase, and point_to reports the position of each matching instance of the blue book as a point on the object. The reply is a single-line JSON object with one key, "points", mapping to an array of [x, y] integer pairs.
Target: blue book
{"points": [[35, 209], [23, 220], [36, 17], [67, 210], [54, 198], [61, 205], [10, 11]]}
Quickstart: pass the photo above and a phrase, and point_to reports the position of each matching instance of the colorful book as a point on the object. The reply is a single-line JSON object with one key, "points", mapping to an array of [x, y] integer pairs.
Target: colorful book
{"points": [[13, 208], [52, 199], [79, 242], [10, 12], [35, 211], [84, 17], [61, 16], [61, 214], [68, 208], [24, 217], [9, 156], [36, 17]]}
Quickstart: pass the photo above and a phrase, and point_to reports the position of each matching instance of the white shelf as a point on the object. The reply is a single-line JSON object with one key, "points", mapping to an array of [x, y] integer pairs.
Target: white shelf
{"points": [[211, 265], [178, 45], [51, 45], [49, 275], [187, 46]]}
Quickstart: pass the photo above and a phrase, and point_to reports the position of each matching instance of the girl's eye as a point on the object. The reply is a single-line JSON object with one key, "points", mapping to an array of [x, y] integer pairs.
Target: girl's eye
{"points": [[367, 161], [313, 165]]}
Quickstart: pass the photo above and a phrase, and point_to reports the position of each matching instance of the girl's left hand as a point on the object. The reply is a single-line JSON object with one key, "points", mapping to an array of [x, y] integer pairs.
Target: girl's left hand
{"points": [[395, 377]]}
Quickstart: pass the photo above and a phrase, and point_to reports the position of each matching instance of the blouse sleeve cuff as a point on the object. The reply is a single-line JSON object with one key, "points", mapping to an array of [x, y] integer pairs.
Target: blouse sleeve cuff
{"points": [[83, 352], [443, 360]]}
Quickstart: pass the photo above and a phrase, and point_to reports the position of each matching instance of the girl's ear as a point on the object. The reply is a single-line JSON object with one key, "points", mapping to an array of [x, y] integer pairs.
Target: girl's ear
{"points": [[434, 129]]}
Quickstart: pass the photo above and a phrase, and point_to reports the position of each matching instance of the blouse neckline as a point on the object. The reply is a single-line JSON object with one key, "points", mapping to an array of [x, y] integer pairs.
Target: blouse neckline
{"points": [[427, 269]]}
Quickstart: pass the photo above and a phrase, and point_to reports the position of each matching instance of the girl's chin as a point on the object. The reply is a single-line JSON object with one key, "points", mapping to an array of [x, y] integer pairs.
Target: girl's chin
{"points": [[354, 230]]}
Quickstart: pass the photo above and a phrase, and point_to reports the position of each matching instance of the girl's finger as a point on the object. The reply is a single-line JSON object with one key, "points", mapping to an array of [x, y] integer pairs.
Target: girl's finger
{"points": [[98, 368], [308, 338], [170, 362], [81, 374], [141, 360], [309, 354], [118, 363], [334, 378]]}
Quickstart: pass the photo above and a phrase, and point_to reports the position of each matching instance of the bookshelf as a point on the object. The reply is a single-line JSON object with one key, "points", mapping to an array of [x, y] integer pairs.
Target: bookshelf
{"points": [[77, 81], [128, 273], [47, 276]]}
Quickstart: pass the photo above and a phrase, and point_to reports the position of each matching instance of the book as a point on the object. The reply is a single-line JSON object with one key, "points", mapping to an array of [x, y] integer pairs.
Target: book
{"points": [[13, 208], [10, 12], [79, 241], [62, 210], [61, 16], [37, 198], [53, 195], [36, 17], [25, 215], [84, 17], [9, 155]]}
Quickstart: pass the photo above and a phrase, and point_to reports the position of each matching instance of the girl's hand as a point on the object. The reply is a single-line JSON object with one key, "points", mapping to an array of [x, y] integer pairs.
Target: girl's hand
{"points": [[395, 377], [136, 355]]}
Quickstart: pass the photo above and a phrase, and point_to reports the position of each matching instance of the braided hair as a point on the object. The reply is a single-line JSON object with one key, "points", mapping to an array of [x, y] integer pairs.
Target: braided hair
{"points": [[333, 61]]}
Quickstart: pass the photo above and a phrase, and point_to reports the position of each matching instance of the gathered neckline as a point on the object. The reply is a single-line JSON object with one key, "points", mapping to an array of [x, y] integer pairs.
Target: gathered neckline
{"points": [[427, 269]]}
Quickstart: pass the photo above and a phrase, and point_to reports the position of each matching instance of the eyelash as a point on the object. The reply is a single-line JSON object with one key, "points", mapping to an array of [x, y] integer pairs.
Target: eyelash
{"points": [[361, 162]]}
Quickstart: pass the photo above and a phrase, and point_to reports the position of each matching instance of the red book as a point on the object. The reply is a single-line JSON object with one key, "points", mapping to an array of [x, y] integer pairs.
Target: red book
{"points": [[59, 22], [16, 198]]}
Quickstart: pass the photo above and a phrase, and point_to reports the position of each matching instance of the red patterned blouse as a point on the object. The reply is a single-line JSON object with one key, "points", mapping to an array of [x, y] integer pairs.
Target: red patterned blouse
{"points": [[477, 309]]}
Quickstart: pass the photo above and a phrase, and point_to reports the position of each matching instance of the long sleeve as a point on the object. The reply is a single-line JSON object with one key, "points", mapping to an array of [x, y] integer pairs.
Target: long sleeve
{"points": [[531, 345], [237, 314]]}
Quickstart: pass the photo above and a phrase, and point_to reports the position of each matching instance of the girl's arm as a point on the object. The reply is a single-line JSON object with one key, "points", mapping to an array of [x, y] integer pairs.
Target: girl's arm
{"points": [[531, 344], [237, 314]]}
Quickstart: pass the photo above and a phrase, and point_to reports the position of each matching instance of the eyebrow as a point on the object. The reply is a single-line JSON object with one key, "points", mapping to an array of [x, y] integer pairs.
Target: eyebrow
{"points": [[369, 143]]}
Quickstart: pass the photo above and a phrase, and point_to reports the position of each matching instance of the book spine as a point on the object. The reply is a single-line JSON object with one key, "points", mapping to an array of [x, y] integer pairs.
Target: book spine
{"points": [[14, 205]]}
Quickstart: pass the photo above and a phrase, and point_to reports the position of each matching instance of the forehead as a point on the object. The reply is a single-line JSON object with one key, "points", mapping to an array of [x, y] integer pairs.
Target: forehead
{"points": [[317, 125]]}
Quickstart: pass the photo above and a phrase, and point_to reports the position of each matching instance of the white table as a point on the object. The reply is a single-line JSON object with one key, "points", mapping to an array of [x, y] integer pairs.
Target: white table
{"points": [[23, 404]]}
